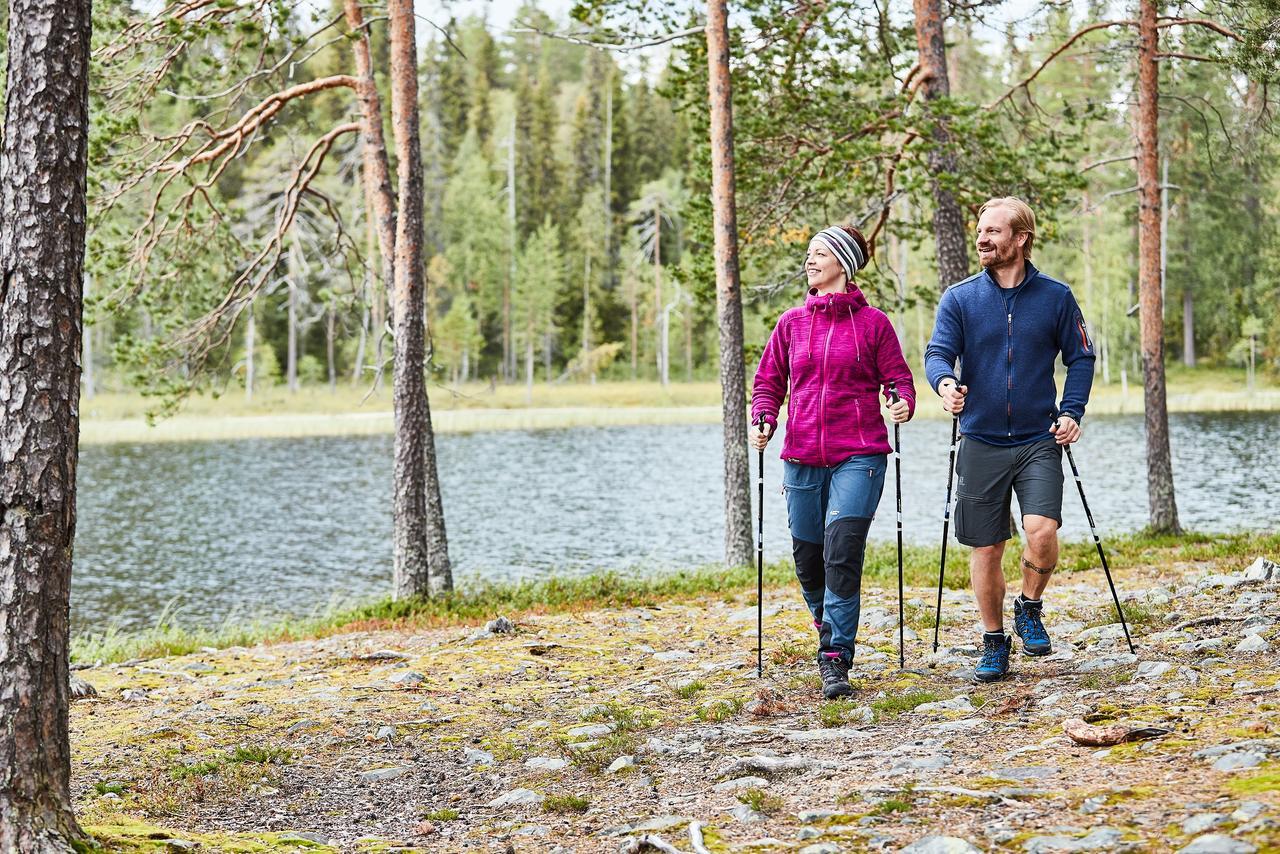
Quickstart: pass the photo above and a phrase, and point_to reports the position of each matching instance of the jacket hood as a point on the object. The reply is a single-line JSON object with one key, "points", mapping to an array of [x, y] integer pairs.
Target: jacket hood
{"points": [[852, 299]]}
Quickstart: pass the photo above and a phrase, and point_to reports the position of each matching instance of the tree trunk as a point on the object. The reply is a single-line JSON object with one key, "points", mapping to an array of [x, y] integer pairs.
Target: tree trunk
{"points": [[659, 324], [376, 175], [42, 241], [421, 547], [949, 234], [635, 333], [528, 364], [1188, 329], [250, 343], [586, 314], [508, 352], [738, 540], [1160, 497]]}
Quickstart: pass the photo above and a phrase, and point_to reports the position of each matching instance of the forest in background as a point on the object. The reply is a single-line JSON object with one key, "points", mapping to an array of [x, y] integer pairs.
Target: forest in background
{"points": [[568, 218]]}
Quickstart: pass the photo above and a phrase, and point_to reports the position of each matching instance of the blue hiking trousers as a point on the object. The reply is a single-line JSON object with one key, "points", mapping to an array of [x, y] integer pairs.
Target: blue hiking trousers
{"points": [[829, 511]]}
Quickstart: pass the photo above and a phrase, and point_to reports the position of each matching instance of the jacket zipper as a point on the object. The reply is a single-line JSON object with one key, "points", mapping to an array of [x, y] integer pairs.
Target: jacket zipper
{"points": [[1008, 375], [822, 398]]}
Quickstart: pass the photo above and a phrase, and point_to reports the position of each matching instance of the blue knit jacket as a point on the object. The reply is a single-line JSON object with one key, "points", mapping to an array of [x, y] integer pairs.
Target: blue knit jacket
{"points": [[1006, 342]]}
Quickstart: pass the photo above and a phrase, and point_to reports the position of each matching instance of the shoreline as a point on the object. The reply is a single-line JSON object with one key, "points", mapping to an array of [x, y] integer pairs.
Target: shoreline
{"points": [[205, 428]]}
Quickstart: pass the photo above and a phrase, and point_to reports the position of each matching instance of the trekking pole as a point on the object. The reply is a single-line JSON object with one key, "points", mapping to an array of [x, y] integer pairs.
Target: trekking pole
{"points": [[1075, 472], [760, 567], [897, 468], [946, 524]]}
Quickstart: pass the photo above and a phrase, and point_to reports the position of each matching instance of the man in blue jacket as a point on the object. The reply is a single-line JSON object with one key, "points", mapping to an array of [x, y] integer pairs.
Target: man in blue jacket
{"points": [[1001, 332]]}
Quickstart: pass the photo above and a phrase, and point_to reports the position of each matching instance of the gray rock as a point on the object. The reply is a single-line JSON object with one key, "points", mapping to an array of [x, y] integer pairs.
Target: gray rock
{"points": [[81, 690], [1248, 811], [1261, 570], [1092, 805], [546, 763], [472, 756], [941, 845], [380, 655], [673, 655], [829, 736], [1256, 597], [1197, 824], [662, 822], [1026, 773], [591, 730], [532, 830], [1239, 760], [740, 784], [407, 677], [1253, 644], [1217, 843], [746, 814], [376, 775], [500, 626], [964, 725], [808, 833], [180, 845], [816, 815], [1152, 669], [386, 732], [1105, 662], [1098, 839], [919, 763], [821, 848], [516, 797], [621, 764], [1202, 645], [1224, 582], [767, 766], [955, 704]]}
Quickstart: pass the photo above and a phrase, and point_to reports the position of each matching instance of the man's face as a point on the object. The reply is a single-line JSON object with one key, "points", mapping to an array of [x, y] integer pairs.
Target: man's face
{"points": [[997, 244]]}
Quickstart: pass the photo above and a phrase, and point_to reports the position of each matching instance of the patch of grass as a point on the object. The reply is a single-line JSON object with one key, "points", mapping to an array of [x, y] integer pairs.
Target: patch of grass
{"points": [[242, 755], [446, 814], [1266, 780], [760, 800], [897, 704], [714, 711], [600, 755], [112, 788], [834, 713], [1102, 679], [688, 690], [891, 805], [1137, 614], [624, 718], [566, 804], [791, 653], [169, 637]]}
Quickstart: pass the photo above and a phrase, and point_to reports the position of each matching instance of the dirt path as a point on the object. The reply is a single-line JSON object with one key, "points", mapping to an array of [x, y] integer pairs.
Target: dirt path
{"points": [[590, 732]]}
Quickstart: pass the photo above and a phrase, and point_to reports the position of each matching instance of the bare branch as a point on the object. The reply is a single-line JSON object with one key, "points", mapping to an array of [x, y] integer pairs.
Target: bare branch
{"points": [[1192, 56], [585, 40], [1079, 34], [1201, 22], [1108, 161]]}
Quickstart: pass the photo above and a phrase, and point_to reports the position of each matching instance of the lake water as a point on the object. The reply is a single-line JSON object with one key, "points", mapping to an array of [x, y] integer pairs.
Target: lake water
{"points": [[248, 528]]}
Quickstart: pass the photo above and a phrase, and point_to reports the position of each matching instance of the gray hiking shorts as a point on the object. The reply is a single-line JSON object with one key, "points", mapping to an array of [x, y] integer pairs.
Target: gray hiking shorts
{"points": [[988, 475]]}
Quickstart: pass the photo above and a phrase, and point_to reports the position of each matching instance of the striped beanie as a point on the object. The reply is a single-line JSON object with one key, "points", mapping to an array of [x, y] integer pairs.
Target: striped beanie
{"points": [[846, 249]]}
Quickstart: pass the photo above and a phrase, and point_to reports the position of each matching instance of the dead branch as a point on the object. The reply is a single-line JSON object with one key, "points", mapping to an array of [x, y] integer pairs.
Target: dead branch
{"points": [[1192, 56], [1109, 160], [584, 39], [1201, 22]]}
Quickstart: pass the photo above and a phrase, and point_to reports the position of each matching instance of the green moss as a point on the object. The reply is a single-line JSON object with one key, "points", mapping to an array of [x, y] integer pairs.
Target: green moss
{"points": [[835, 713], [714, 711], [896, 704], [1267, 779], [446, 814], [760, 800], [891, 805], [566, 804]]}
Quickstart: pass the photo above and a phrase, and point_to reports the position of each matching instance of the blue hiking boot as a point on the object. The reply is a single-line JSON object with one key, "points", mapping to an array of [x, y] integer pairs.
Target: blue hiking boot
{"points": [[1029, 627], [995, 658]]}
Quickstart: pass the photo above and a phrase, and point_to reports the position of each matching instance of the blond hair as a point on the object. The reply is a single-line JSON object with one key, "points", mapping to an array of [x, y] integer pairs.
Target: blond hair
{"points": [[1022, 219]]}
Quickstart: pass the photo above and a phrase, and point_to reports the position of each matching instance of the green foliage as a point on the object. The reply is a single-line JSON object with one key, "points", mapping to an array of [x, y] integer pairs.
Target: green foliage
{"points": [[761, 801], [566, 804], [896, 704]]}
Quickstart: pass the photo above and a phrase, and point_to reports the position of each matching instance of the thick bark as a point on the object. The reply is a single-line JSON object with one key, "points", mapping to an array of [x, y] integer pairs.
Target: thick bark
{"points": [[421, 547], [738, 539], [375, 172], [949, 235], [42, 241], [1160, 497]]}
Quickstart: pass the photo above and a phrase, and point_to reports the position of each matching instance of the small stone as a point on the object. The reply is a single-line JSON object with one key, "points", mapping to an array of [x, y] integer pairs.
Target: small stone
{"points": [[964, 725], [621, 764], [133, 695], [1092, 805], [81, 690], [955, 704], [808, 833], [1152, 669], [941, 845], [407, 677], [378, 774], [1217, 843], [1105, 662], [591, 730], [745, 814], [919, 763], [1026, 773], [673, 655], [835, 735], [1248, 811], [516, 797], [472, 756], [500, 626], [807, 816], [1261, 570], [179, 845], [1197, 824], [1202, 645], [821, 848], [1098, 839], [546, 763], [740, 784], [386, 732], [1253, 644], [383, 655]]}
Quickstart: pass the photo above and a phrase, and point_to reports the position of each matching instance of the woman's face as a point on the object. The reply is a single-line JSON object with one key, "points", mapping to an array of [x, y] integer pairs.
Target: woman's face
{"points": [[822, 269]]}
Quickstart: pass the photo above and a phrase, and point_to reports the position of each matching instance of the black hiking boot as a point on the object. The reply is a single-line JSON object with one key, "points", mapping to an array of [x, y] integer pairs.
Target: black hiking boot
{"points": [[835, 675]]}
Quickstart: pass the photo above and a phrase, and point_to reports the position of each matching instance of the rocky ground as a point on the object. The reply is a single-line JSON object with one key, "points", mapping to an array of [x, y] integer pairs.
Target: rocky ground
{"points": [[646, 729]]}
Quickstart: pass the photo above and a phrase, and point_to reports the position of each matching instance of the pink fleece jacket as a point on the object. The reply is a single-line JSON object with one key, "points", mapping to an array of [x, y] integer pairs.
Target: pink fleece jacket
{"points": [[836, 352]]}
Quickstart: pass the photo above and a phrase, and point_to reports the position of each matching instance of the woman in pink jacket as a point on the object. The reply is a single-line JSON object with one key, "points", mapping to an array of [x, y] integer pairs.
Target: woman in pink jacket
{"points": [[836, 354]]}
